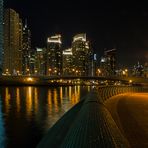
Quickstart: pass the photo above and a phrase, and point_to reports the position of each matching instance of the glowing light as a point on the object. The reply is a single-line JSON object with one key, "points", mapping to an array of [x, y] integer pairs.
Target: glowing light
{"points": [[54, 39], [18, 99], [30, 79], [29, 102], [123, 72], [67, 51], [81, 37]]}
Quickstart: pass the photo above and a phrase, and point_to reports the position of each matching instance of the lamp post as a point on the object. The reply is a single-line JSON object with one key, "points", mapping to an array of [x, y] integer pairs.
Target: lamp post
{"points": [[98, 72], [49, 71]]}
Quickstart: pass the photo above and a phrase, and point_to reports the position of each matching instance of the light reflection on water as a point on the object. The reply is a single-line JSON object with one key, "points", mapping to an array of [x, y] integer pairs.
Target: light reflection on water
{"points": [[26, 113], [2, 130]]}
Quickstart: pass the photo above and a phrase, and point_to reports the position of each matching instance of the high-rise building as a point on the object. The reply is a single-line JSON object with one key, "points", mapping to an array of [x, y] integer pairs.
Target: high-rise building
{"points": [[12, 43], [68, 62], [111, 61], [32, 61], [108, 63], [81, 55], [54, 55], [40, 61], [138, 70], [103, 66], [26, 50], [1, 35]]}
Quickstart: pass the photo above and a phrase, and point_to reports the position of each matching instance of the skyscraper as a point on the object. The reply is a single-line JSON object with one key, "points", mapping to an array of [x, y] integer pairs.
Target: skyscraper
{"points": [[108, 63], [26, 50], [81, 55], [54, 55], [12, 43], [67, 62], [40, 61], [1, 35]]}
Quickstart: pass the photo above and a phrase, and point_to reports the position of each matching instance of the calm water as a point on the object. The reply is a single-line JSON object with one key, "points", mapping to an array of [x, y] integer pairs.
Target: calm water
{"points": [[26, 113]]}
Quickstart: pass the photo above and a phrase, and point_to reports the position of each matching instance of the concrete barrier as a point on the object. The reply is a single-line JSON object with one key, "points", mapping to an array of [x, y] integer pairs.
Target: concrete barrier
{"points": [[87, 125]]}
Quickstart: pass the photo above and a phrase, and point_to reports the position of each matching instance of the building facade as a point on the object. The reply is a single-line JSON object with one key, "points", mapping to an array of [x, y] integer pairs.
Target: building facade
{"points": [[40, 61], [12, 43], [68, 62], [26, 50], [1, 36], [81, 55], [54, 56], [108, 63], [138, 70]]}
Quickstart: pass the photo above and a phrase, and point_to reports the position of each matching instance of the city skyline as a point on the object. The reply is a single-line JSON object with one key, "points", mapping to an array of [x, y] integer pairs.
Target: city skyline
{"points": [[108, 25]]}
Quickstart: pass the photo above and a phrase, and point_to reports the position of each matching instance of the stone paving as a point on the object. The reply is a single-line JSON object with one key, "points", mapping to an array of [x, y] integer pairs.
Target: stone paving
{"points": [[87, 125]]}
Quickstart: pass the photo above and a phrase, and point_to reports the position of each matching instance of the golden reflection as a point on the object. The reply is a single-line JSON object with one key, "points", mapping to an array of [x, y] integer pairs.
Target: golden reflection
{"points": [[7, 99], [76, 95], [55, 100], [29, 102], [18, 107], [69, 91], [35, 100], [49, 102], [61, 94]]}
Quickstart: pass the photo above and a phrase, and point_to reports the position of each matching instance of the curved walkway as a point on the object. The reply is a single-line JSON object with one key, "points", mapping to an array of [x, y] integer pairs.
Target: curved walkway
{"points": [[130, 112]]}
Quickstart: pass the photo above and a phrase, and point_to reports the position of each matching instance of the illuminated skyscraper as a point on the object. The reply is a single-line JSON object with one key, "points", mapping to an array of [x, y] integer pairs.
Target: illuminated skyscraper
{"points": [[54, 55], [40, 61], [81, 55], [1, 35], [12, 43], [26, 51], [108, 63], [68, 62]]}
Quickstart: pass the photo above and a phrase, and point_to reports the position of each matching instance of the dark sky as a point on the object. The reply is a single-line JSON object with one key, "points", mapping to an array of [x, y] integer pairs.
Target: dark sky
{"points": [[108, 24]]}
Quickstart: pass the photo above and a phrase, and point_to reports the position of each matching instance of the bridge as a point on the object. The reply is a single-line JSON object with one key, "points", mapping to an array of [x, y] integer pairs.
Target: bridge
{"points": [[89, 124], [69, 80]]}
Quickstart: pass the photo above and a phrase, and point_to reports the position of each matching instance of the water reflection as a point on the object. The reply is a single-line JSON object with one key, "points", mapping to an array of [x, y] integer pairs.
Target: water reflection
{"points": [[2, 130], [30, 111]]}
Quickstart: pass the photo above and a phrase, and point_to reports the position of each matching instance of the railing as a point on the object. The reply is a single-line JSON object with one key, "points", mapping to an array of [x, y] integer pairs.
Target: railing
{"points": [[89, 124], [106, 92]]}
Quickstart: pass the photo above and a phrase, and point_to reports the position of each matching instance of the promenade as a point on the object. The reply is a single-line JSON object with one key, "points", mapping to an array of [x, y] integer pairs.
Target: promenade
{"points": [[130, 112]]}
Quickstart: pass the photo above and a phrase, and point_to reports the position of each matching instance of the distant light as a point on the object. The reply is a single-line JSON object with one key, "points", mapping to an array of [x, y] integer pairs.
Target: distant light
{"points": [[130, 81], [30, 79], [39, 49], [81, 37], [67, 51], [102, 60], [54, 39], [95, 57]]}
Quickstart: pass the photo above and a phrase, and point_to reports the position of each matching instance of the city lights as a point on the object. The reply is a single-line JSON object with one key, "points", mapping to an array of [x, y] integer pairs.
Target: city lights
{"points": [[29, 79]]}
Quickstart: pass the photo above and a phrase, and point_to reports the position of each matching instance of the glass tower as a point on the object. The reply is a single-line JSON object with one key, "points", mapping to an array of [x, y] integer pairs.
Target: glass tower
{"points": [[54, 55], [1, 35]]}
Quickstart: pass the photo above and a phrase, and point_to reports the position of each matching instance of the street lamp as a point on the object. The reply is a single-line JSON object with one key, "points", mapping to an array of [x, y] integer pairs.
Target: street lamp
{"points": [[98, 72], [35, 72], [18, 72], [28, 71], [49, 70], [77, 72]]}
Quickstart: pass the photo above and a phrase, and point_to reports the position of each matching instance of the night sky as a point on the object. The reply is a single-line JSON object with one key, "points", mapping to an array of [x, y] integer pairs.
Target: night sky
{"points": [[121, 25]]}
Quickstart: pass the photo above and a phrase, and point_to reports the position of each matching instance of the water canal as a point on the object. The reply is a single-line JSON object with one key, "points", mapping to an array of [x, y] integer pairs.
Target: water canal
{"points": [[27, 113]]}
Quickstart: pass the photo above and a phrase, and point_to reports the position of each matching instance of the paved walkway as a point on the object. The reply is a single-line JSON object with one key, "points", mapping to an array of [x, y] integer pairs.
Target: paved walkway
{"points": [[130, 112], [87, 125]]}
